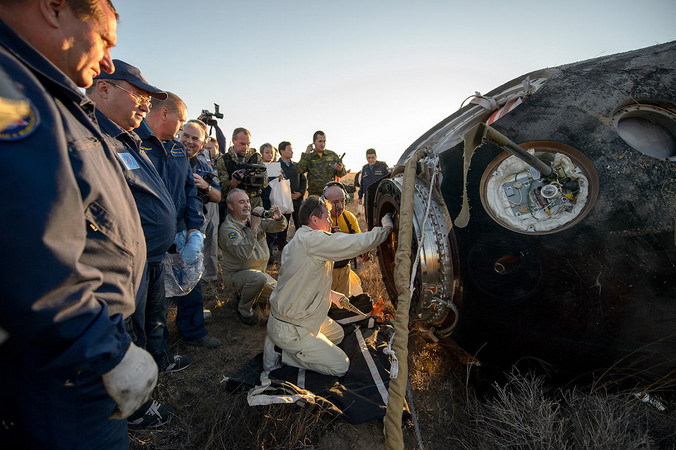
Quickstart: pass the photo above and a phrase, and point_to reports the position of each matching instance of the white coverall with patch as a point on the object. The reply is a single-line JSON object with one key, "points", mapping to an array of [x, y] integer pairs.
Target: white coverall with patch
{"points": [[300, 302]]}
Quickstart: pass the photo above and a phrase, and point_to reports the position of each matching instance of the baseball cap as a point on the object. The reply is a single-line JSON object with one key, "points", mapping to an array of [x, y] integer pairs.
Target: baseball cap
{"points": [[131, 74]]}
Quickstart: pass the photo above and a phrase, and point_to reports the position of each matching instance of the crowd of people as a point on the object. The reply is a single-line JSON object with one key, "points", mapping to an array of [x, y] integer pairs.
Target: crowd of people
{"points": [[99, 186]]}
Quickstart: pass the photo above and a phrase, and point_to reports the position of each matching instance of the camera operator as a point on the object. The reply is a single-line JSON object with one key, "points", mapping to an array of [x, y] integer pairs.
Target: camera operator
{"points": [[244, 167], [245, 251], [208, 190]]}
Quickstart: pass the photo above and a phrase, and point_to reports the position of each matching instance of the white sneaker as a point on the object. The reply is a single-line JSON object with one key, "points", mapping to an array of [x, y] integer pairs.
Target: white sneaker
{"points": [[272, 355]]}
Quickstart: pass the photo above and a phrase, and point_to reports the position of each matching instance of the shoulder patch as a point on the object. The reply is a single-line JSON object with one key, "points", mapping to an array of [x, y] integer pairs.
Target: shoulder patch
{"points": [[128, 160], [177, 152], [23, 127], [232, 235]]}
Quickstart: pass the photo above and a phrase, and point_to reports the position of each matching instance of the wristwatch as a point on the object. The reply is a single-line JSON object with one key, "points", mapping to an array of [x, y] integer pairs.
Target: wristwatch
{"points": [[208, 189]]}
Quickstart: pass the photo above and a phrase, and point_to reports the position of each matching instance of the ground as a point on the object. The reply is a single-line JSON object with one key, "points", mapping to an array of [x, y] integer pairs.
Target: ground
{"points": [[449, 413]]}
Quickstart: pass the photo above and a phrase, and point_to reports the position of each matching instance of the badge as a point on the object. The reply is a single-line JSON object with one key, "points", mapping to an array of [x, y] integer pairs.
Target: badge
{"points": [[232, 235], [21, 128], [129, 161]]}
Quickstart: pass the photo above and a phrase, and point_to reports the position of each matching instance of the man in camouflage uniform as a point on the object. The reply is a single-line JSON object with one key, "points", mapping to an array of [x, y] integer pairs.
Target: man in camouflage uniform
{"points": [[321, 165], [241, 153]]}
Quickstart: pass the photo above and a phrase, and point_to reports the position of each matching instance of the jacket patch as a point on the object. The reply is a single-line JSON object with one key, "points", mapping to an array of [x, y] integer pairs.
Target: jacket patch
{"points": [[21, 128], [128, 160], [232, 235]]}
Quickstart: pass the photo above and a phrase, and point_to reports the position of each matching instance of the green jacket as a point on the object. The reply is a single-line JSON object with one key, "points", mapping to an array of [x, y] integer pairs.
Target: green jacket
{"points": [[319, 170]]}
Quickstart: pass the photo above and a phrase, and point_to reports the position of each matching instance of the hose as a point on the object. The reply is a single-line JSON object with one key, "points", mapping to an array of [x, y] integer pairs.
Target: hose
{"points": [[394, 438]]}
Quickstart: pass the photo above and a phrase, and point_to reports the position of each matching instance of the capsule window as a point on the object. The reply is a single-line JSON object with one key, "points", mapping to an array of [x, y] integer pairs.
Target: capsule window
{"points": [[648, 128]]}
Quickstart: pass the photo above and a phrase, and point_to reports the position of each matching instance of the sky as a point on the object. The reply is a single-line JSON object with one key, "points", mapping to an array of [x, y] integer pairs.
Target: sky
{"points": [[370, 73]]}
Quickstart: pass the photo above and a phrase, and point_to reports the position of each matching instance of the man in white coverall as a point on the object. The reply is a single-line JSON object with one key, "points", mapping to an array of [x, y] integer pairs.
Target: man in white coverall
{"points": [[299, 305]]}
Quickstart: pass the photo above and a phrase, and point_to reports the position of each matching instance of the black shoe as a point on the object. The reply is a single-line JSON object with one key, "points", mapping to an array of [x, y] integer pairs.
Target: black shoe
{"points": [[251, 321], [206, 342], [151, 414], [180, 363]]}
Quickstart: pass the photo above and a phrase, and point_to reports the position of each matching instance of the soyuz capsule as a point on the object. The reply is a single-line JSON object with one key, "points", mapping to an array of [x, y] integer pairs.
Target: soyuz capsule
{"points": [[558, 242]]}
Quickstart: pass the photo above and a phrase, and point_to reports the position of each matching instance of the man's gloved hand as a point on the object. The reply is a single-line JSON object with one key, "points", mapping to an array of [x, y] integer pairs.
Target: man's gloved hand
{"points": [[192, 247], [131, 382], [386, 221], [179, 240]]}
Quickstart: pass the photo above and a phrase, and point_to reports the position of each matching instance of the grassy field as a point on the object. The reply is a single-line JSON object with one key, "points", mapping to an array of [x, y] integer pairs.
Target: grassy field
{"points": [[520, 412]]}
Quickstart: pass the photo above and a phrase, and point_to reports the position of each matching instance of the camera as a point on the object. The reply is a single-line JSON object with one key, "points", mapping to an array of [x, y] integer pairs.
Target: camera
{"points": [[210, 117], [267, 214], [209, 178], [250, 175]]}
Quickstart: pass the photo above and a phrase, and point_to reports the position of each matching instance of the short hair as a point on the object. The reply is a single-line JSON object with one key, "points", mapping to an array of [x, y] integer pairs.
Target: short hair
{"points": [[82, 9], [238, 130], [228, 198], [173, 103], [371, 151], [282, 145], [311, 206], [86, 9], [318, 133], [212, 139], [201, 125]]}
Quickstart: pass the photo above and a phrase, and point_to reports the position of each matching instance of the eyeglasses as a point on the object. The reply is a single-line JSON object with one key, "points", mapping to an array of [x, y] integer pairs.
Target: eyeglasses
{"points": [[140, 99]]}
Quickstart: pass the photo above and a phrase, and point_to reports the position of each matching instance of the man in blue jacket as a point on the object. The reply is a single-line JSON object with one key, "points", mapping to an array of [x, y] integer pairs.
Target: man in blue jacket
{"points": [[73, 247], [373, 171], [158, 132], [122, 101]]}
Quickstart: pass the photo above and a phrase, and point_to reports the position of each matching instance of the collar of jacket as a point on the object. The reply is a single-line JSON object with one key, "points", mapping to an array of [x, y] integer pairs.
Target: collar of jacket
{"points": [[112, 129]]}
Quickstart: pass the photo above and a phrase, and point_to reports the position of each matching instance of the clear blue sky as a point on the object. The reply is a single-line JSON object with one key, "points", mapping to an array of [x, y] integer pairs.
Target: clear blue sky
{"points": [[369, 73]]}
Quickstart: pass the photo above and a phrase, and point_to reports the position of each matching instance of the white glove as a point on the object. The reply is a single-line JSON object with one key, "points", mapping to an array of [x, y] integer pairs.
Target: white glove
{"points": [[386, 221], [131, 382]]}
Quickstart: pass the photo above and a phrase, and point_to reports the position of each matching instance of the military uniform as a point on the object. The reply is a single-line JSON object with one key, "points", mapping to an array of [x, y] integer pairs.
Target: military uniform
{"points": [[73, 254], [227, 164], [245, 257], [299, 304], [319, 170]]}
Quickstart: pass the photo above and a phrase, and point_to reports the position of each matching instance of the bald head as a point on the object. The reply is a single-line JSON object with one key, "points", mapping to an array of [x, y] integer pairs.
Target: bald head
{"points": [[335, 195]]}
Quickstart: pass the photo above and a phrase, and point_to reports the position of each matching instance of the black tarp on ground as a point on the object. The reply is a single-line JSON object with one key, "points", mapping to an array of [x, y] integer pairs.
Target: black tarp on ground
{"points": [[359, 396]]}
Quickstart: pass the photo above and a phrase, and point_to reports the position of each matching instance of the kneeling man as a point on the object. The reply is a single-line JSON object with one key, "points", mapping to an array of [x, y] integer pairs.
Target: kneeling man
{"points": [[299, 305], [245, 251]]}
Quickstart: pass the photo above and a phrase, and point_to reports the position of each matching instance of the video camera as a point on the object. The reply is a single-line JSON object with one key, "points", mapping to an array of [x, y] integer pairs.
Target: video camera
{"points": [[250, 175], [210, 117]]}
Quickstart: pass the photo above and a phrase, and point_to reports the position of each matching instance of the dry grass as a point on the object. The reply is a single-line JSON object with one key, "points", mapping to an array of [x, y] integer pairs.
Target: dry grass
{"points": [[522, 412]]}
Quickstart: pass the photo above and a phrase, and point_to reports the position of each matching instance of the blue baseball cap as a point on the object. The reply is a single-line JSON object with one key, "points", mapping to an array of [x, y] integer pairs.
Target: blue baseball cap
{"points": [[131, 74]]}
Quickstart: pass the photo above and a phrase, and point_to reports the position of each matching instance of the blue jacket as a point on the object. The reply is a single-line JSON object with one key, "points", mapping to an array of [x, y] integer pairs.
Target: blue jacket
{"points": [[171, 161], [371, 174], [154, 203], [72, 244]]}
